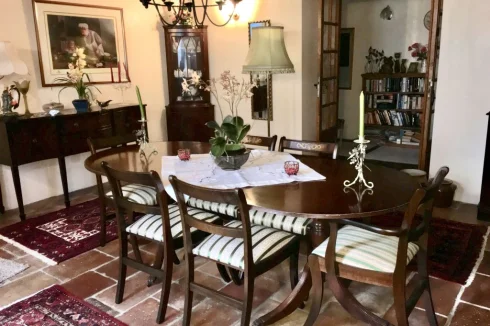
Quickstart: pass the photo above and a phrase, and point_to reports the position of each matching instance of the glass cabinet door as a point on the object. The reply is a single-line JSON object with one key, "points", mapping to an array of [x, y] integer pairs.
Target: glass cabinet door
{"points": [[187, 61]]}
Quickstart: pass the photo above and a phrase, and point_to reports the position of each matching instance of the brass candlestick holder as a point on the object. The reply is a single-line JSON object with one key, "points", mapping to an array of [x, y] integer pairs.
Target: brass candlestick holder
{"points": [[357, 157]]}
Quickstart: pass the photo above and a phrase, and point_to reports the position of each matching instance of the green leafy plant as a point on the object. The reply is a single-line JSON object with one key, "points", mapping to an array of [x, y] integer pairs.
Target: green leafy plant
{"points": [[75, 77], [228, 135]]}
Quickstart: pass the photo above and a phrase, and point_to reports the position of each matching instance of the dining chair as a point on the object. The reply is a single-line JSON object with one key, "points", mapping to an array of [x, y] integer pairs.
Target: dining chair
{"points": [[159, 223], [137, 193], [251, 249], [310, 147], [269, 142], [368, 254]]}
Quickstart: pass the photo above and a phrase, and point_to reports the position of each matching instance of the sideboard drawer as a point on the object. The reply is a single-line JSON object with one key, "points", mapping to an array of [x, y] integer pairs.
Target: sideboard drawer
{"points": [[126, 121], [33, 140], [85, 122], [77, 143]]}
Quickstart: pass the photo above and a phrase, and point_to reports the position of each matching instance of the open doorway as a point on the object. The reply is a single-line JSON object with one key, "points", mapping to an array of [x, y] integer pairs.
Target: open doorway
{"points": [[392, 57]]}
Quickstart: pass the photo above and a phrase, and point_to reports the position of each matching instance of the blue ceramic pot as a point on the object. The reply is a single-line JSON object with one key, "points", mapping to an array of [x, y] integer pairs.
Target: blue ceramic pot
{"points": [[81, 106]]}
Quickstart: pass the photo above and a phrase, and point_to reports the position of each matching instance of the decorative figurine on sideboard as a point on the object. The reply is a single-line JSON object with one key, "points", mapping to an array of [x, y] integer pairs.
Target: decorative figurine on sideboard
{"points": [[103, 104], [10, 102]]}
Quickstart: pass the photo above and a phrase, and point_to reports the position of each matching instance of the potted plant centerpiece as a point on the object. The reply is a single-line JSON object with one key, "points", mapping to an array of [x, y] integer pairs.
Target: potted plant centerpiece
{"points": [[226, 145], [75, 79]]}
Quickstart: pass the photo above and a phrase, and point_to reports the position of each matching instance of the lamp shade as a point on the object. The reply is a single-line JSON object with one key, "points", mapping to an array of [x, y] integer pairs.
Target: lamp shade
{"points": [[9, 61], [267, 53]]}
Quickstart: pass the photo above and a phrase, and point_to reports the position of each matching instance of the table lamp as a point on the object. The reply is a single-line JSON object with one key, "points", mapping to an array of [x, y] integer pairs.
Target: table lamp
{"points": [[268, 55], [11, 64]]}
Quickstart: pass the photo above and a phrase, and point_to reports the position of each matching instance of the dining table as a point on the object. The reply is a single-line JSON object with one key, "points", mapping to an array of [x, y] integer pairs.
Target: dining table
{"points": [[326, 201]]}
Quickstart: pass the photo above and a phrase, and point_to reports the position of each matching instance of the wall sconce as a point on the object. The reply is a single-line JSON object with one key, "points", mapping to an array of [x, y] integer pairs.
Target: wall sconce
{"points": [[243, 12], [386, 13]]}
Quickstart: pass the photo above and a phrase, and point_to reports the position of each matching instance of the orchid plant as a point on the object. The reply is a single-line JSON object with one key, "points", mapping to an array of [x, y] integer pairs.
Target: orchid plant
{"points": [[229, 134], [75, 76]]}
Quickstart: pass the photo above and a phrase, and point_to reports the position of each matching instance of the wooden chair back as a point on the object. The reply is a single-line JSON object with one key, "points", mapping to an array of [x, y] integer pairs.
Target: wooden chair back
{"points": [[125, 206], [269, 142], [233, 197], [308, 147], [96, 144]]}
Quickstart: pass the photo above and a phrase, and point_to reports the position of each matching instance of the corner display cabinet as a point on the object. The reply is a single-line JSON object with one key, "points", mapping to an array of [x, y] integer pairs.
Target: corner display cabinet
{"points": [[187, 113]]}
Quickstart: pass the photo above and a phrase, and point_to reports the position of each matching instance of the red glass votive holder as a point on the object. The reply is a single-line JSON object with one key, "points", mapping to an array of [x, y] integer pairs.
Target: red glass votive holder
{"points": [[291, 167], [184, 154]]}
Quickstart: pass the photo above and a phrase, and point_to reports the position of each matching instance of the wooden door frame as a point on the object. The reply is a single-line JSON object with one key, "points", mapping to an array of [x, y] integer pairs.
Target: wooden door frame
{"points": [[432, 59], [321, 20]]}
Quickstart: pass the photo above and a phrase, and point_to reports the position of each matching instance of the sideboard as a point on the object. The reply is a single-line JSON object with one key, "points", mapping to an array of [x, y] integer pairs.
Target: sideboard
{"points": [[25, 140]]}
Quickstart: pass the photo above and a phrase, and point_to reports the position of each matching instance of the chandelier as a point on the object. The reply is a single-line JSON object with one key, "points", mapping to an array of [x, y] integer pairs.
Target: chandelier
{"points": [[188, 11]]}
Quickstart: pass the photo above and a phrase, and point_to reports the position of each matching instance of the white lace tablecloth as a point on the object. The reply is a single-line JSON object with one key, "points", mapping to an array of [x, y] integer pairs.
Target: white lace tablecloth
{"points": [[262, 168]]}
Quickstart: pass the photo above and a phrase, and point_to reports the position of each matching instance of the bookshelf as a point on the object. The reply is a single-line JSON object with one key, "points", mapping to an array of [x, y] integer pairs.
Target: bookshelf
{"points": [[394, 107]]}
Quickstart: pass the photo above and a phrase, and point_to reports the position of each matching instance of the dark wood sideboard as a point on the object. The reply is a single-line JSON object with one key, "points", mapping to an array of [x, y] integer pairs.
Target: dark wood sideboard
{"points": [[26, 140], [484, 205]]}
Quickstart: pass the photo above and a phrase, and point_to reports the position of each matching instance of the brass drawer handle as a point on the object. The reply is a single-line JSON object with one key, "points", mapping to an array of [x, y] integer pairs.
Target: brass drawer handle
{"points": [[34, 140], [76, 125]]}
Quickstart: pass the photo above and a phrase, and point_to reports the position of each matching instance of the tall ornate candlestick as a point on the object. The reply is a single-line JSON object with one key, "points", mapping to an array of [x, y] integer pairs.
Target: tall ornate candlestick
{"points": [[356, 157]]}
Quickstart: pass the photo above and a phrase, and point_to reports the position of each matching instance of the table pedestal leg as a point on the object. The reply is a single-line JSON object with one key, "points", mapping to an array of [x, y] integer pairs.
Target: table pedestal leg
{"points": [[291, 303]]}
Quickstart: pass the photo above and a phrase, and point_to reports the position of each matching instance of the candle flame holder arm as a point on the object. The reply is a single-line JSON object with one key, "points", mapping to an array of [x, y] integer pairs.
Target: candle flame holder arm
{"points": [[357, 157]]}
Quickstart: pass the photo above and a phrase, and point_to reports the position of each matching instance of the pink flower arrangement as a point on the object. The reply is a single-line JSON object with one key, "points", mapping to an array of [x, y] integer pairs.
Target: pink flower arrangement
{"points": [[419, 51]]}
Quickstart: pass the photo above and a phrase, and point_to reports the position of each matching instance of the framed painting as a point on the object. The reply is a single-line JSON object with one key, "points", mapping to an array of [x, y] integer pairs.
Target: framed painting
{"points": [[262, 99], [62, 28]]}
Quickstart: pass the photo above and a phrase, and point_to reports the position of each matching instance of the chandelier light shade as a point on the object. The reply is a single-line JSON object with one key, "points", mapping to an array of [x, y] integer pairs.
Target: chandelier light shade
{"points": [[267, 53], [9, 61], [183, 11]]}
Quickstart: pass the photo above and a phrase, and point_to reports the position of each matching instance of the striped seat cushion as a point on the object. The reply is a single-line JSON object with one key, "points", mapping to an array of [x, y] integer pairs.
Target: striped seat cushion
{"points": [[367, 250], [296, 225], [139, 194], [265, 242], [150, 226]]}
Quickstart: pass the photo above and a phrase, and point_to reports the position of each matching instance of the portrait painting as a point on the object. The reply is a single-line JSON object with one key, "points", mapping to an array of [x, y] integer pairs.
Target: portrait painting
{"points": [[64, 28]]}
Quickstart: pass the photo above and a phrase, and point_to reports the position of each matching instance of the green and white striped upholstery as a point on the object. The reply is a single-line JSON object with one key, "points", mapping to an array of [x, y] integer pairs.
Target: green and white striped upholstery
{"points": [[367, 250], [150, 226], [265, 242], [139, 194], [296, 225]]}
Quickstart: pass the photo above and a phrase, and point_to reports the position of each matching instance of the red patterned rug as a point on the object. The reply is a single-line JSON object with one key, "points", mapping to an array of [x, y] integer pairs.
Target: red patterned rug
{"points": [[61, 235], [454, 247], [54, 306]]}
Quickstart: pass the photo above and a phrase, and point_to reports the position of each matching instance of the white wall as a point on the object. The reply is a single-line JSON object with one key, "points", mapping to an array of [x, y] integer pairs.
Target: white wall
{"points": [[144, 46], [460, 123], [389, 35]]}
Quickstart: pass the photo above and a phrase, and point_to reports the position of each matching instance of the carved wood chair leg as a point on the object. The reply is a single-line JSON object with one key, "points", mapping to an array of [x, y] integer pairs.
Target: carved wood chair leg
{"points": [[223, 273], [186, 321], [121, 281], [166, 283], [317, 294], [103, 221], [248, 302], [156, 264], [423, 273], [400, 301], [236, 276], [293, 267], [136, 248]]}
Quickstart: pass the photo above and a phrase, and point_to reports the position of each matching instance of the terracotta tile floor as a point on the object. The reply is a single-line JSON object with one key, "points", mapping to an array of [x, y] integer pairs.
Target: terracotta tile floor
{"points": [[93, 276]]}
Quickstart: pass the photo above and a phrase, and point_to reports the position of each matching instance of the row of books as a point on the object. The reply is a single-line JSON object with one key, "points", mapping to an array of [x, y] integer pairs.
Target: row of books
{"points": [[405, 84], [394, 102], [407, 137], [392, 118]]}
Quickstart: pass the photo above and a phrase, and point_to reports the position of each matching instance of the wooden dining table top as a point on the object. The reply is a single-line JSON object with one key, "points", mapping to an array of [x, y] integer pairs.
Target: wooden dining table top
{"points": [[327, 199]]}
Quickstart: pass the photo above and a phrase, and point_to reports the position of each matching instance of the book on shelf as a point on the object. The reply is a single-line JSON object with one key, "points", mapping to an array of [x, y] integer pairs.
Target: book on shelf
{"points": [[392, 118], [389, 84], [394, 102]]}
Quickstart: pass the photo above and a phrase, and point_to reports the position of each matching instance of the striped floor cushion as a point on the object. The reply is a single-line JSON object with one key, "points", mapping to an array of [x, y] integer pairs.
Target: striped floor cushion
{"points": [[265, 242], [139, 194], [150, 226], [296, 225], [367, 250]]}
